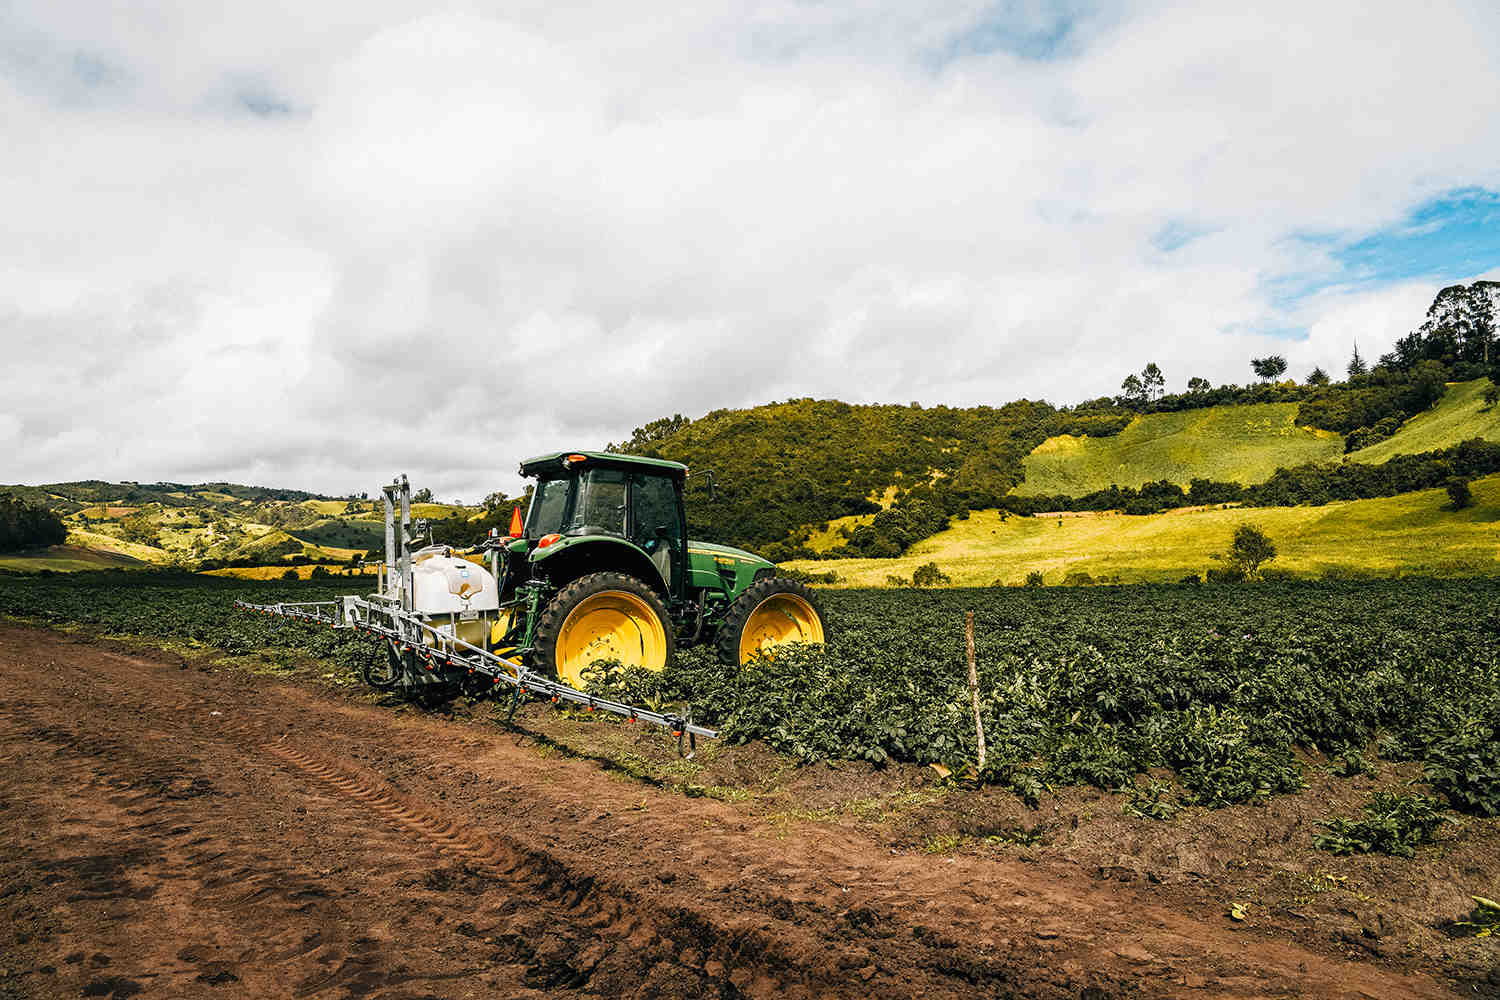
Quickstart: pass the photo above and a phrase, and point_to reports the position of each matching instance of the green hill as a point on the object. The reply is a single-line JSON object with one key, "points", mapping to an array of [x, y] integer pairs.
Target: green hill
{"points": [[1461, 414], [1414, 532], [1242, 444]]}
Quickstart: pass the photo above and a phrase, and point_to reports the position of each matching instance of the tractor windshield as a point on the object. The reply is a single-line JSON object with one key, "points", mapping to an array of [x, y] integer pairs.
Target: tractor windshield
{"points": [[599, 505], [548, 507], [592, 503]]}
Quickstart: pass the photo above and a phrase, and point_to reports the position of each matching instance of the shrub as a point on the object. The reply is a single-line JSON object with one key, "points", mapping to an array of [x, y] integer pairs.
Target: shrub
{"points": [[1459, 492], [1078, 578], [929, 575], [1034, 578], [1392, 824]]}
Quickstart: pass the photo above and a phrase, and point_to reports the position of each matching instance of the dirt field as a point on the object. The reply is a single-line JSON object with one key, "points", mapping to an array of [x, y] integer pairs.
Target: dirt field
{"points": [[178, 828]]}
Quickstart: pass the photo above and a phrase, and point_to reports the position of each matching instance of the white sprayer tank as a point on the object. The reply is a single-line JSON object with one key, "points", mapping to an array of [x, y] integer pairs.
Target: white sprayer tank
{"points": [[444, 584]]}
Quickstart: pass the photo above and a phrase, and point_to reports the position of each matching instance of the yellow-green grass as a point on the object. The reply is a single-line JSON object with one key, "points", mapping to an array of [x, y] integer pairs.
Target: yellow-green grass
{"points": [[1414, 532], [822, 540], [438, 511], [1241, 444], [1458, 416], [65, 559], [328, 508], [99, 542]]}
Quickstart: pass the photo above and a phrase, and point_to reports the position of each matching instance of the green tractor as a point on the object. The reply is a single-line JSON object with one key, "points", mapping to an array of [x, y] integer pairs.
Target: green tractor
{"points": [[603, 569]]}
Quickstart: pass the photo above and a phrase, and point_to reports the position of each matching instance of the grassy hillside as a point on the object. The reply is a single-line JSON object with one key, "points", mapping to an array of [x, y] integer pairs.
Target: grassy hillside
{"points": [[65, 559], [1413, 532], [1458, 416], [1243, 444]]}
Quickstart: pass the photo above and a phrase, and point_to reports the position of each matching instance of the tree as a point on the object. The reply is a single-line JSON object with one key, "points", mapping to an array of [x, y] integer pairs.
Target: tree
{"points": [[1269, 368], [424, 495], [929, 575], [1357, 364], [1197, 385], [1459, 492], [26, 525], [1317, 377], [1153, 381], [1133, 390], [1250, 549]]}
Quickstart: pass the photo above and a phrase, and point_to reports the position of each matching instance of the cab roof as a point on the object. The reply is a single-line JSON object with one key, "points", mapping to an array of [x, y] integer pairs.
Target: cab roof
{"points": [[608, 459]]}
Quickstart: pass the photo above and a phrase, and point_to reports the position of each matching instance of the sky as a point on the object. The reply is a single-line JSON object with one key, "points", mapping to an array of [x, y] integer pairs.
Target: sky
{"points": [[317, 245]]}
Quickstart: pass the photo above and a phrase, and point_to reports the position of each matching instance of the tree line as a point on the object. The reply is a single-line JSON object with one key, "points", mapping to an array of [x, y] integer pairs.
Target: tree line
{"points": [[28, 525]]}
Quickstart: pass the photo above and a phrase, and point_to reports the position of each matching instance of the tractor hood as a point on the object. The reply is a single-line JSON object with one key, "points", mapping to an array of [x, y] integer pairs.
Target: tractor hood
{"points": [[723, 566]]}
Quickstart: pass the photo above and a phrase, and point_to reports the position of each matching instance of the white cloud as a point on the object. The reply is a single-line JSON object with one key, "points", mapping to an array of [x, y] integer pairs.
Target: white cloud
{"points": [[314, 245]]}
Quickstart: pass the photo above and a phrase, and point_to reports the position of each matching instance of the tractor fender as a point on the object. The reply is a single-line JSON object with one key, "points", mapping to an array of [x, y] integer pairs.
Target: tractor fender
{"points": [[567, 560]]}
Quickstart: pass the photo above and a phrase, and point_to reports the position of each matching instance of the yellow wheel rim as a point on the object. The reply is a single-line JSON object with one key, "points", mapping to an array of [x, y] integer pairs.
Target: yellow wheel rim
{"points": [[778, 619], [612, 625]]}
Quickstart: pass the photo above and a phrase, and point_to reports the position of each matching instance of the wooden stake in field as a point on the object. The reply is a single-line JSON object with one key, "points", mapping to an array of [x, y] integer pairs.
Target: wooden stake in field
{"points": [[974, 684]]}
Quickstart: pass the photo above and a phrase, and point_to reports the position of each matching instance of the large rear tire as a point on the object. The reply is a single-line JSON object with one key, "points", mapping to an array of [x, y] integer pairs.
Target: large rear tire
{"points": [[769, 613], [602, 616]]}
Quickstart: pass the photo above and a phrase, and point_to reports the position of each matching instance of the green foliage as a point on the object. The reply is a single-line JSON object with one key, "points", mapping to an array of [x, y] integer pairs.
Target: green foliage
{"points": [[140, 529], [1034, 578], [1382, 399], [1484, 919], [1459, 492], [1250, 549], [929, 575], [1086, 685], [1464, 765], [1392, 824], [26, 525], [1269, 369], [1154, 800]]}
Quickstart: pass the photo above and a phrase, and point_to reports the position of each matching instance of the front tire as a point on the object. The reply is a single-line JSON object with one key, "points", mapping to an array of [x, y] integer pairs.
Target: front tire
{"points": [[602, 616], [769, 613]]}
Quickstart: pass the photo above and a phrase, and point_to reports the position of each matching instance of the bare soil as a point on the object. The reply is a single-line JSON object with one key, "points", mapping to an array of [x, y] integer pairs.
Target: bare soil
{"points": [[176, 826]]}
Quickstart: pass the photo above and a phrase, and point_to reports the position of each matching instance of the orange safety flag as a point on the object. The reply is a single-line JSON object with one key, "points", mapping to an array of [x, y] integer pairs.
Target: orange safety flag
{"points": [[515, 523]]}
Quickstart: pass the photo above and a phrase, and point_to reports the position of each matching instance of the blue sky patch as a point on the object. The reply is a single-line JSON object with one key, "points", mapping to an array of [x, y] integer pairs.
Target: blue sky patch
{"points": [[1447, 239], [1451, 237]]}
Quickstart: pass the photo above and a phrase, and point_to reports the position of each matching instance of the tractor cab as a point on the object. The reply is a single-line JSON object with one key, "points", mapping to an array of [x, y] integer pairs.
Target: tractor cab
{"points": [[596, 510]]}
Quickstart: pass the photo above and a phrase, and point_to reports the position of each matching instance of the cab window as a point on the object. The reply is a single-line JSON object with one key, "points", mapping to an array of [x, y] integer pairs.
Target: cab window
{"points": [[599, 508], [654, 513]]}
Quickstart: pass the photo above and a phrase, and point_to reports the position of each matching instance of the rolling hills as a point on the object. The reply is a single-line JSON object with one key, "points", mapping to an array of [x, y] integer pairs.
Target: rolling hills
{"points": [[1412, 533]]}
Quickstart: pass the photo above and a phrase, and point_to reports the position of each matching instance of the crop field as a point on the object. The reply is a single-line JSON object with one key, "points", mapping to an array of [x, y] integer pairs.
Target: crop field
{"points": [[1170, 772], [1222, 685], [1243, 444], [1413, 533]]}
